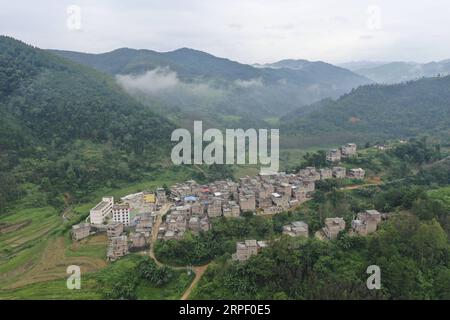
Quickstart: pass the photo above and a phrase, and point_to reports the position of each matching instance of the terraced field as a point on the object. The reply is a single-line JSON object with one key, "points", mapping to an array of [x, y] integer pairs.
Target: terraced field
{"points": [[35, 248], [22, 248]]}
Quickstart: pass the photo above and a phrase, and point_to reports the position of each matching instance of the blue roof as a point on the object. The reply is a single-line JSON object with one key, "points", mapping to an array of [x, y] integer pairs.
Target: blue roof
{"points": [[190, 198]]}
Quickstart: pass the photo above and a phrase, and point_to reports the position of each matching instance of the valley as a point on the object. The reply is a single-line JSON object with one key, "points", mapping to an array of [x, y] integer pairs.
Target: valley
{"points": [[76, 127]]}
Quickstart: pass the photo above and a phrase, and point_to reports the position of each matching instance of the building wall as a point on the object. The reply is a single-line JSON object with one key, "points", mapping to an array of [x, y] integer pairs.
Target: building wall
{"points": [[97, 216], [122, 216]]}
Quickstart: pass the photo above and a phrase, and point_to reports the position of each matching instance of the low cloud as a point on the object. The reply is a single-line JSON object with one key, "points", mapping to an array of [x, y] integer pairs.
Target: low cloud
{"points": [[257, 82], [151, 82], [164, 85]]}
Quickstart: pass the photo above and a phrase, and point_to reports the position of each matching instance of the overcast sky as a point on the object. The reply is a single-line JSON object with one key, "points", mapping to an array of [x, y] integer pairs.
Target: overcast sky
{"points": [[249, 31]]}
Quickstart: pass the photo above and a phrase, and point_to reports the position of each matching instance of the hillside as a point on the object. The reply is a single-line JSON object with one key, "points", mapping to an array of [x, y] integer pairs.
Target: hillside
{"points": [[69, 129], [189, 85], [396, 72], [317, 70], [375, 112]]}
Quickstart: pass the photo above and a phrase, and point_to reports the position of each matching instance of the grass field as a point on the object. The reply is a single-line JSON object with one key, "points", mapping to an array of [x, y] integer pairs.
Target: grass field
{"points": [[95, 285]]}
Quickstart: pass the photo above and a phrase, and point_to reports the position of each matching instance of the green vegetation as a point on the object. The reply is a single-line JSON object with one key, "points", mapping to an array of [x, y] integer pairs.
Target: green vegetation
{"points": [[133, 277], [412, 247], [412, 255], [375, 113], [69, 129], [202, 248], [70, 134], [395, 72]]}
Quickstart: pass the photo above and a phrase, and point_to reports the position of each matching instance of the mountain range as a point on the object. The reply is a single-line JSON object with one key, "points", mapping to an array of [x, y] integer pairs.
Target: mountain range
{"points": [[374, 112], [396, 72], [190, 85], [72, 122], [68, 128]]}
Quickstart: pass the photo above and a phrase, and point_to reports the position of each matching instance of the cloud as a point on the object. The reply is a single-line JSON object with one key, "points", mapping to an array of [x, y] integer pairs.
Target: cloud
{"points": [[252, 83], [151, 82], [164, 84], [247, 31]]}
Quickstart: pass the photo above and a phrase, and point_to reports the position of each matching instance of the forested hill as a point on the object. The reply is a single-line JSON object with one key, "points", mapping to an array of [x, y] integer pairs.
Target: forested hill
{"points": [[194, 85], [396, 72], [376, 111], [68, 128]]}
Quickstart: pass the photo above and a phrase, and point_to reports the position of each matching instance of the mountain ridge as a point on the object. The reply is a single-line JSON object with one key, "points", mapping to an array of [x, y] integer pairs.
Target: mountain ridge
{"points": [[376, 111], [222, 92], [70, 129]]}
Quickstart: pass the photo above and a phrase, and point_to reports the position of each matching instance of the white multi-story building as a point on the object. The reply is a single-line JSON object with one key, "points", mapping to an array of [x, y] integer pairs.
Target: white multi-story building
{"points": [[101, 210], [121, 213]]}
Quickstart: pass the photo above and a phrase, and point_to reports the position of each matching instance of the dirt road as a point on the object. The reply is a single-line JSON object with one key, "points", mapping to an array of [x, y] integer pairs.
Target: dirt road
{"points": [[162, 212], [197, 270]]}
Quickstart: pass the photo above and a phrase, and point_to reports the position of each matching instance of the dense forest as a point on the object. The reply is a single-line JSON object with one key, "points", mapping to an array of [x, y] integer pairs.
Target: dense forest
{"points": [[413, 256], [69, 129], [374, 112]]}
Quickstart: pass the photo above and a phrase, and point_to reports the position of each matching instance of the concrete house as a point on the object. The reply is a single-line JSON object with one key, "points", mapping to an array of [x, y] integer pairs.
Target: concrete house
{"points": [[138, 240], [348, 150], [244, 250], [194, 224], [371, 219], [359, 227], [299, 194], [144, 224], [356, 173], [231, 209], [366, 223], [333, 226], [307, 185], [118, 247], [296, 229], [114, 229], [333, 155], [161, 196], [339, 172], [215, 208], [81, 231], [121, 213], [326, 173], [247, 201]]}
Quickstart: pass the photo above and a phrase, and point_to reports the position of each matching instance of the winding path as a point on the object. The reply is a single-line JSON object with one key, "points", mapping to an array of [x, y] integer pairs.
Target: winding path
{"points": [[199, 270]]}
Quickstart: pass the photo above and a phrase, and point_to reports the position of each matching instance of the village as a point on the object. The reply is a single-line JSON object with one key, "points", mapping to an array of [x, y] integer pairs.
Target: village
{"points": [[130, 223]]}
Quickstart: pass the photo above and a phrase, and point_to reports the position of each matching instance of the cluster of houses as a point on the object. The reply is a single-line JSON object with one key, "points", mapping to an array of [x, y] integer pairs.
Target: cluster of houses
{"points": [[129, 222], [248, 248], [196, 204], [183, 218], [345, 151], [365, 224]]}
